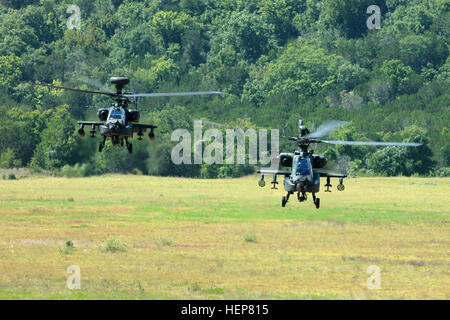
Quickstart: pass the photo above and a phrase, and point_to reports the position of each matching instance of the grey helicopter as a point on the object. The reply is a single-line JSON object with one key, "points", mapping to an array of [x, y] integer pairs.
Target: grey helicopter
{"points": [[305, 172], [118, 122]]}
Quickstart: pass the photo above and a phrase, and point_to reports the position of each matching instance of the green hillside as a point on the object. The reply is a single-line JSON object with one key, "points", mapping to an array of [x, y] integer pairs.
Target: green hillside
{"points": [[275, 60]]}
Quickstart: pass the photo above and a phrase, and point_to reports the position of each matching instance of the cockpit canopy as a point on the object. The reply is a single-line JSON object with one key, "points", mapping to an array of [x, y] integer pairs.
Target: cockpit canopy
{"points": [[302, 166], [116, 114]]}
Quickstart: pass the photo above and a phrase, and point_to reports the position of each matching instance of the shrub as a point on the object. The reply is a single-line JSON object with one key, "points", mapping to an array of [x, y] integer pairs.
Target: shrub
{"points": [[164, 241], [442, 172], [195, 287], [113, 245], [250, 237], [68, 247], [74, 171], [8, 160]]}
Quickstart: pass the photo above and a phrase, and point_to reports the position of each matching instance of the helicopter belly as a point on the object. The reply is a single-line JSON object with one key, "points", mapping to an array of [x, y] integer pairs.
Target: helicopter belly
{"points": [[121, 132], [303, 185], [312, 186]]}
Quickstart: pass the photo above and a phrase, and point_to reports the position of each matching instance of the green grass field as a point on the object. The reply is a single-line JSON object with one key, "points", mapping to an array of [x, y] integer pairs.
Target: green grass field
{"points": [[223, 239]]}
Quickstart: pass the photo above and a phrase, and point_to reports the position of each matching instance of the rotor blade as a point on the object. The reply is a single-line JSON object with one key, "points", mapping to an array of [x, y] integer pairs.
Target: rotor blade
{"points": [[69, 89], [172, 94], [96, 83], [326, 128], [371, 143], [289, 138]]}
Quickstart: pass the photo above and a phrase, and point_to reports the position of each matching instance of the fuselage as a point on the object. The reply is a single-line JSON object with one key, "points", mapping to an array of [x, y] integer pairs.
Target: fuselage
{"points": [[116, 125], [303, 178]]}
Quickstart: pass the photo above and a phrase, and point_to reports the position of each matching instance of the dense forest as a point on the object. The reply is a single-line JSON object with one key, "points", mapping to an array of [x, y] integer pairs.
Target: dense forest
{"points": [[276, 61]]}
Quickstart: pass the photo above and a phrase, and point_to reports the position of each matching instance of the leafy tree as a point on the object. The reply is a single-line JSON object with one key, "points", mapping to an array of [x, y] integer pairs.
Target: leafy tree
{"points": [[15, 36], [445, 150], [162, 70], [16, 4], [302, 71], [248, 34], [10, 72], [182, 29], [417, 51], [280, 14], [21, 131], [416, 18], [59, 142], [8, 159], [348, 133], [350, 16], [388, 161], [226, 70], [114, 159], [403, 160], [399, 75], [159, 161], [193, 7]]}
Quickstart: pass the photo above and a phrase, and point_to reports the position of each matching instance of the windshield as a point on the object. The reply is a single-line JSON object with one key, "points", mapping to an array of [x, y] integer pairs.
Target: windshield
{"points": [[115, 114], [302, 167]]}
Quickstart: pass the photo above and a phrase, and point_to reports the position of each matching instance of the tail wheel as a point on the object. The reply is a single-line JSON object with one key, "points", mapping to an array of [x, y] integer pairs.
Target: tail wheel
{"points": [[130, 148], [100, 147]]}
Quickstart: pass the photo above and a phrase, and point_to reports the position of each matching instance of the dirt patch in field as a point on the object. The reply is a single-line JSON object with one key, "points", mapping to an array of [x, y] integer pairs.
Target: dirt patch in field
{"points": [[191, 246], [46, 243], [416, 263], [76, 221], [54, 210], [143, 245], [38, 210], [26, 224]]}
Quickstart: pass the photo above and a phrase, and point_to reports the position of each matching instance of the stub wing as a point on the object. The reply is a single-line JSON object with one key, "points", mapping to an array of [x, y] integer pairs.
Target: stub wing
{"points": [[332, 175], [274, 172], [137, 127], [90, 123]]}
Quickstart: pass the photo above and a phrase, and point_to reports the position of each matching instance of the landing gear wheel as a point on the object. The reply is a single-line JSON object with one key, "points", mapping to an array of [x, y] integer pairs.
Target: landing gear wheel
{"points": [[283, 201], [100, 147], [130, 148], [317, 203]]}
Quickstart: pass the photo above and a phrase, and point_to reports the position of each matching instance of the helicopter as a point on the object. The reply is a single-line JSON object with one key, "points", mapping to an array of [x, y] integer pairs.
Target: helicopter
{"points": [[118, 122], [304, 176]]}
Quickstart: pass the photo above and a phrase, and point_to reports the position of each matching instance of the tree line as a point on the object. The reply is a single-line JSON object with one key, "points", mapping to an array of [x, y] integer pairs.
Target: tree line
{"points": [[277, 61]]}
